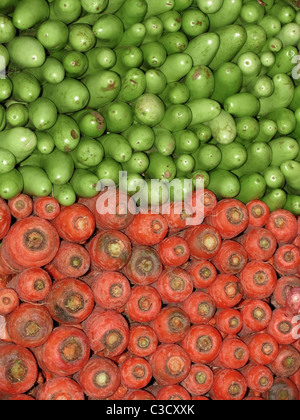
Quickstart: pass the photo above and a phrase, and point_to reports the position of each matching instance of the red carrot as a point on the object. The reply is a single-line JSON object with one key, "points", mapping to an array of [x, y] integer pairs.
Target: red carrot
{"points": [[110, 250], [136, 373], [203, 273], [46, 207], [147, 229], [172, 393], [173, 251], [204, 241], [174, 285], [230, 217], [226, 291], [287, 362], [139, 395], [204, 201], [258, 280], [283, 389], [284, 286], [60, 389], [259, 213], [231, 258], [75, 223], [283, 225], [287, 259], [72, 260], [143, 340], [171, 325], [30, 325], [170, 364], [99, 378], [107, 331], [21, 206], [31, 242], [65, 352], [229, 321], [228, 385], [234, 354], [199, 380], [19, 371], [259, 378], [202, 343], [5, 218], [9, 301], [144, 304], [259, 243], [256, 314], [144, 266], [32, 285], [200, 307], [111, 290], [70, 301], [263, 348], [281, 327], [177, 215]]}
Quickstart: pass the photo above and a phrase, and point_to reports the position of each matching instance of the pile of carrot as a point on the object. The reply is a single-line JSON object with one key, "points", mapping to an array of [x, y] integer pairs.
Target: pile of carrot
{"points": [[146, 306]]}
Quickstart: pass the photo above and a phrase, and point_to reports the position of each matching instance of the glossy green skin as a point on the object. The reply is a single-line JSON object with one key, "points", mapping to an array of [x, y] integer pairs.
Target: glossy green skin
{"points": [[273, 45], [234, 155], [104, 87], [232, 39], [185, 163], [132, 11], [275, 199], [11, 184], [53, 35], [203, 48], [161, 167], [109, 30], [202, 131], [69, 96], [186, 142], [194, 22], [226, 15], [30, 12], [261, 86], [207, 157], [224, 184], [259, 157], [175, 93], [65, 133], [293, 204], [2, 118], [81, 37], [291, 171], [113, 6], [89, 153], [200, 179], [181, 5], [26, 88], [7, 161], [132, 184], [20, 141], [4, 58], [252, 12], [64, 194], [267, 59], [84, 183], [118, 116], [154, 193], [284, 62], [94, 6], [101, 58], [203, 110], [36, 181], [65, 10], [256, 39], [223, 128], [17, 115], [52, 71], [5, 89], [75, 64], [164, 141], [295, 104], [117, 147], [267, 131], [176, 118], [154, 29], [7, 29], [285, 120], [283, 11], [253, 187], [242, 105], [181, 190], [156, 7], [228, 81], [59, 167], [26, 51], [156, 82], [134, 35], [171, 21], [127, 58], [271, 24], [209, 6], [281, 97], [289, 34], [284, 149], [176, 67], [154, 53], [149, 110], [91, 123], [200, 82], [274, 177], [42, 114], [174, 42], [137, 164], [247, 128], [45, 142], [107, 170], [140, 137]]}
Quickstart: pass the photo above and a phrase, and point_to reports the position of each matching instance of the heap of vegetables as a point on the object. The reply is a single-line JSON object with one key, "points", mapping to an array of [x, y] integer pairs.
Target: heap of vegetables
{"points": [[160, 89]]}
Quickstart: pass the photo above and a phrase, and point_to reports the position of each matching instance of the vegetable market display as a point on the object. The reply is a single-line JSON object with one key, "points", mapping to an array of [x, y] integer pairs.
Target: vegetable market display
{"points": [[161, 89], [133, 306], [145, 306]]}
